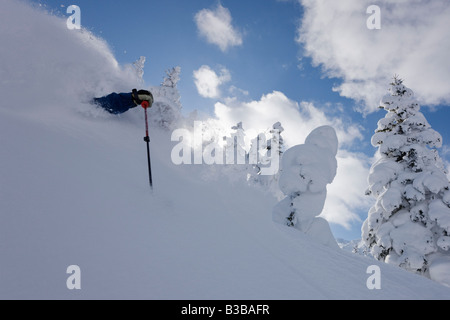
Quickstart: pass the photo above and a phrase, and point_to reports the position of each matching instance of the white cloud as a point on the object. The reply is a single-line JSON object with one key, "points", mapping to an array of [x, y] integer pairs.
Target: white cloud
{"points": [[233, 90], [413, 42], [208, 82], [346, 196], [297, 119], [216, 26]]}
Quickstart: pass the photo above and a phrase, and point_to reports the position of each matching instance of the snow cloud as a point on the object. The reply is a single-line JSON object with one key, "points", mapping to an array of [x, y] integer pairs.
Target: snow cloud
{"points": [[208, 82], [413, 42], [347, 193], [42, 53], [216, 27]]}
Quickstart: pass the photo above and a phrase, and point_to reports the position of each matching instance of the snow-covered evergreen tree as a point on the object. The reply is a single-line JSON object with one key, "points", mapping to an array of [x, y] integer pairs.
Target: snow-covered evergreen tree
{"points": [[236, 151], [409, 225], [306, 171], [276, 138], [263, 150], [166, 110], [172, 78]]}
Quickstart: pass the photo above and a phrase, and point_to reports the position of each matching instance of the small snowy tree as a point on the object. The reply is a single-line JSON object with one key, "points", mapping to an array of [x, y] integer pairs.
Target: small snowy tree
{"points": [[306, 171], [139, 68], [277, 139], [409, 225], [236, 152], [264, 148], [173, 76], [166, 110]]}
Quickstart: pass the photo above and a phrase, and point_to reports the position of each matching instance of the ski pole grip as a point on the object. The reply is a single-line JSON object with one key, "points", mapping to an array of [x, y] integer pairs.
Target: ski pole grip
{"points": [[145, 104]]}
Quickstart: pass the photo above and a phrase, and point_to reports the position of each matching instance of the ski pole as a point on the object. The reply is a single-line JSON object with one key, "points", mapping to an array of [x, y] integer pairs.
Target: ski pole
{"points": [[145, 105]]}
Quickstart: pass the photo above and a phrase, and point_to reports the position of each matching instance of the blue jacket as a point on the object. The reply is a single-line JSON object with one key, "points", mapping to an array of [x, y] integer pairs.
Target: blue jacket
{"points": [[116, 103]]}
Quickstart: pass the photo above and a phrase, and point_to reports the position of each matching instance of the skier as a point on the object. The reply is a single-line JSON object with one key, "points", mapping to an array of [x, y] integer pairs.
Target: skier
{"points": [[117, 103]]}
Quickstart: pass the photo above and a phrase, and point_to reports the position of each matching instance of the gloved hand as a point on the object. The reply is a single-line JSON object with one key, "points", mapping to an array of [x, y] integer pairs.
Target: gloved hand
{"points": [[141, 96]]}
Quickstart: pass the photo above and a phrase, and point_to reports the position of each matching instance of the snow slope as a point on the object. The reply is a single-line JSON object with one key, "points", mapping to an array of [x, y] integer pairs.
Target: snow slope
{"points": [[74, 191]]}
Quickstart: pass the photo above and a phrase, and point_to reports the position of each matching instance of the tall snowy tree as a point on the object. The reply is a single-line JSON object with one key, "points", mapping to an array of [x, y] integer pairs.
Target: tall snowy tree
{"points": [[166, 110], [409, 225]]}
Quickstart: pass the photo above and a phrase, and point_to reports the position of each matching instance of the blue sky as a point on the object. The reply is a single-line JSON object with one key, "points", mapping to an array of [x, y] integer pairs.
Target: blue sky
{"points": [[337, 73], [166, 33]]}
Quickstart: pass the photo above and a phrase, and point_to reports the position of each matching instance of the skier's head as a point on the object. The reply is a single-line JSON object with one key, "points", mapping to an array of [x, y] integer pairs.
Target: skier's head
{"points": [[141, 96]]}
